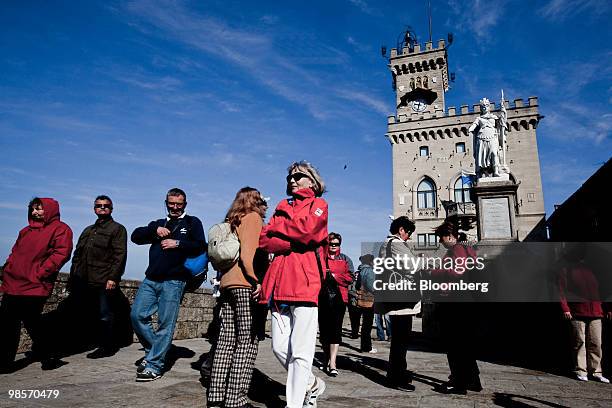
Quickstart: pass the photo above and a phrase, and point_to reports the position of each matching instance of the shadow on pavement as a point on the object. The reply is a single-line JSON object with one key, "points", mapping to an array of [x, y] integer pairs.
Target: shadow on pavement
{"points": [[514, 401]]}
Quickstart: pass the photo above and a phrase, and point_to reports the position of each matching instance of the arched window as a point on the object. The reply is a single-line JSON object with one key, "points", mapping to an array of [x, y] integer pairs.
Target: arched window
{"points": [[418, 82], [462, 190], [426, 194], [425, 82]]}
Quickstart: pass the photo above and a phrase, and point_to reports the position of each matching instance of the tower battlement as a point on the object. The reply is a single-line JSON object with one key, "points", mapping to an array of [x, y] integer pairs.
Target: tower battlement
{"points": [[418, 49]]}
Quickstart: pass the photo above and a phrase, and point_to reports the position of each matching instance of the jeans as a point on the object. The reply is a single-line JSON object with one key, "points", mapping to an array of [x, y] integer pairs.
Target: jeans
{"points": [[380, 330], [164, 298]]}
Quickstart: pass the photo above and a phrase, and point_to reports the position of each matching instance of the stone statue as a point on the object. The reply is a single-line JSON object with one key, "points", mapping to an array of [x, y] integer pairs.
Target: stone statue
{"points": [[489, 133]]}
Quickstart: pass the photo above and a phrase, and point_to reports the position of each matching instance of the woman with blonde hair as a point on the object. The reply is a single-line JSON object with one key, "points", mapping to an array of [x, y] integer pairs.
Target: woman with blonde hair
{"points": [[295, 235], [237, 343]]}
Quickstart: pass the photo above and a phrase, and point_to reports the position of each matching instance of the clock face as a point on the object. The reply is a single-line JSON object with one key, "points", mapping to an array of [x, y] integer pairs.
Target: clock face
{"points": [[419, 105]]}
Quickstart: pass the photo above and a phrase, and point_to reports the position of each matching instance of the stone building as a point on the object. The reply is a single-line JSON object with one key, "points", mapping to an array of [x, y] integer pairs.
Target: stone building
{"points": [[432, 149]]}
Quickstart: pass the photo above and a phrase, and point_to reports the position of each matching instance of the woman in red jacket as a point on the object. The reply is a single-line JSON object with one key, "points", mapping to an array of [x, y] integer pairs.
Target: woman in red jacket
{"points": [[332, 316], [42, 248], [291, 286]]}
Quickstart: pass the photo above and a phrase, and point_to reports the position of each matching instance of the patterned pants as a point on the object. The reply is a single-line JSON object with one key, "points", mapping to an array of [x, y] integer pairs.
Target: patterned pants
{"points": [[236, 350]]}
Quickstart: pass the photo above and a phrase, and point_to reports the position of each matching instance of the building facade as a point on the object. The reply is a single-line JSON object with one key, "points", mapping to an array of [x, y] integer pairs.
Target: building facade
{"points": [[433, 152]]}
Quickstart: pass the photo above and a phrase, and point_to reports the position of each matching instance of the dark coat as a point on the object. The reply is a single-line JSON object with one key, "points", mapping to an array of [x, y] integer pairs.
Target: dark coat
{"points": [[169, 264], [100, 253]]}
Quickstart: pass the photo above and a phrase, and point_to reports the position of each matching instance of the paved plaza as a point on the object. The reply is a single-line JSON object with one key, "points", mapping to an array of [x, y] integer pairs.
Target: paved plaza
{"points": [[110, 382]]}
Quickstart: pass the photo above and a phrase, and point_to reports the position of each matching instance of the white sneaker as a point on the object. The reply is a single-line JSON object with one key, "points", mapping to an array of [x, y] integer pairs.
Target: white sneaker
{"points": [[601, 379], [373, 351], [317, 389], [582, 377]]}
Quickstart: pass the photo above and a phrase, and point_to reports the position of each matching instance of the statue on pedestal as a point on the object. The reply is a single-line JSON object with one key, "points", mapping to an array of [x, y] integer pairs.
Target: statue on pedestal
{"points": [[489, 133]]}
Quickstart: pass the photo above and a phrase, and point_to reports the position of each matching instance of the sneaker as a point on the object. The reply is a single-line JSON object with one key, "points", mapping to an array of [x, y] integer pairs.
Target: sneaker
{"points": [[373, 351], [600, 378], [581, 377], [141, 366], [147, 375], [317, 389], [452, 389]]}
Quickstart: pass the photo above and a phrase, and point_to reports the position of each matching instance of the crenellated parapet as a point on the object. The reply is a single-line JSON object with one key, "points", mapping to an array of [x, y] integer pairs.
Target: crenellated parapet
{"points": [[439, 125], [420, 60]]}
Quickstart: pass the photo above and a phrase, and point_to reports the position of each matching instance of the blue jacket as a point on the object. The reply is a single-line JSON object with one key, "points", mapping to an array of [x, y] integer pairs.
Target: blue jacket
{"points": [[168, 264]]}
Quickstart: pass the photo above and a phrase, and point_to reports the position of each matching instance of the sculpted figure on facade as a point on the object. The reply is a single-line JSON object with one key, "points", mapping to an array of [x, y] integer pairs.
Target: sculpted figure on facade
{"points": [[489, 135]]}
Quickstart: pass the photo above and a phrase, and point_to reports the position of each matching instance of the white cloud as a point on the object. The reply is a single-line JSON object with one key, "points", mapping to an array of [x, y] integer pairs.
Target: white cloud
{"points": [[477, 16], [366, 99], [363, 6], [560, 10]]}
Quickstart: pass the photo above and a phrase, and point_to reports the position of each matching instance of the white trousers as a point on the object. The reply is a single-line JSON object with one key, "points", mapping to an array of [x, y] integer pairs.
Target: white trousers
{"points": [[294, 337]]}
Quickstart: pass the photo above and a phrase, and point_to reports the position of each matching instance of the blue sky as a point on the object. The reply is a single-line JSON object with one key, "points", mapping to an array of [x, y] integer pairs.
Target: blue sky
{"points": [[132, 98]]}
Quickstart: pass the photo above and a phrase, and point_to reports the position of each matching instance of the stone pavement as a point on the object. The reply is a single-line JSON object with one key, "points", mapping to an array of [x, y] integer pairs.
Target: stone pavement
{"points": [[110, 382]]}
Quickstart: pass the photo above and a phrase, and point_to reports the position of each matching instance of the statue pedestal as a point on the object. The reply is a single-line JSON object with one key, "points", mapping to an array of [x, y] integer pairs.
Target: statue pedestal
{"points": [[496, 209]]}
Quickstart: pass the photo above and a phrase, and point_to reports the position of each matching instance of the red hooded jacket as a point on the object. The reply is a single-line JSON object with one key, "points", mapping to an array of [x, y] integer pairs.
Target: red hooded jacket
{"points": [[42, 248], [298, 226]]}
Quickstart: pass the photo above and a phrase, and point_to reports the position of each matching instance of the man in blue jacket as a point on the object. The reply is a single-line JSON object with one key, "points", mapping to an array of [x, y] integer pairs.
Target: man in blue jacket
{"points": [[173, 239]]}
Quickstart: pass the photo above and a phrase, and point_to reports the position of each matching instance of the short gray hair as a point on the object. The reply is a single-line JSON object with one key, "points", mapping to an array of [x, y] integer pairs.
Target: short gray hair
{"points": [[312, 172]]}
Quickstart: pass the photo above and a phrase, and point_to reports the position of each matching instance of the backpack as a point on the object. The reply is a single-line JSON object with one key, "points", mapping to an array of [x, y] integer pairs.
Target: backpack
{"points": [[223, 246]]}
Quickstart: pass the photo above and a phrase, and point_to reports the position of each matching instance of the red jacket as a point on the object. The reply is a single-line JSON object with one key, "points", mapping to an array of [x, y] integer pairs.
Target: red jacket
{"points": [[298, 226], [39, 253], [580, 285], [448, 275], [340, 271]]}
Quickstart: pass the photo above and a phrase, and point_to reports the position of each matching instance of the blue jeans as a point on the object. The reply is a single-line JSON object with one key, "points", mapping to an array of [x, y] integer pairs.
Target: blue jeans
{"points": [[380, 330], [165, 299]]}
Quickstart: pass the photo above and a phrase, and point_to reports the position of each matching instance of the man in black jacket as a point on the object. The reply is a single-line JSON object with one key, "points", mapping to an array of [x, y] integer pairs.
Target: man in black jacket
{"points": [[173, 239], [97, 265]]}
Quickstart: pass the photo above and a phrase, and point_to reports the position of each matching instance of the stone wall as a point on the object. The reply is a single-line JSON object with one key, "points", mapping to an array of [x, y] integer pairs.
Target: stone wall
{"points": [[194, 316]]}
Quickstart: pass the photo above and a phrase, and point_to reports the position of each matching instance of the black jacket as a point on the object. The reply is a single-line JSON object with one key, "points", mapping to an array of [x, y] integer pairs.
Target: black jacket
{"points": [[100, 253], [168, 264]]}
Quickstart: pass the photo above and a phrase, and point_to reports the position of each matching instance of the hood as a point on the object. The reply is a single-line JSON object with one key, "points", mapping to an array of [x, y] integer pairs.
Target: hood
{"points": [[304, 193], [52, 212]]}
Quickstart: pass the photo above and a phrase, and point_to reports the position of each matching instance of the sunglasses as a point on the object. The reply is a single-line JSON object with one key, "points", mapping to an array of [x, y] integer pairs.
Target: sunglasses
{"points": [[333, 244], [296, 176], [103, 206], [175, 205]]}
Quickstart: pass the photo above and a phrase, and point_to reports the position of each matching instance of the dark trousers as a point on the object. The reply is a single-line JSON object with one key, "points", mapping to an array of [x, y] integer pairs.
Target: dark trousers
{"points": [[366, 329], [402, 327], [355, 318], [95, 305], [13, 311], [458, 333]]}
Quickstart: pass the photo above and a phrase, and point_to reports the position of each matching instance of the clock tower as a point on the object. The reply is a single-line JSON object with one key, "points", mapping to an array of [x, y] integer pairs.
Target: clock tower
{"points": [[420, 77], [433, 150]]}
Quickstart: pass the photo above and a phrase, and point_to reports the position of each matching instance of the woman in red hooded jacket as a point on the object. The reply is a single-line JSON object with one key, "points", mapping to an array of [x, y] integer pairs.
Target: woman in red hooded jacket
{"points": [[42, 248], [331, 317], [291, 286]]}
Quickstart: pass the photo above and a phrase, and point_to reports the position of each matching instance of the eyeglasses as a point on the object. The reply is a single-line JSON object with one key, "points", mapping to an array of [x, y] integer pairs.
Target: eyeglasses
{"points": [[103, 206], [296, 176], [175, 205]]}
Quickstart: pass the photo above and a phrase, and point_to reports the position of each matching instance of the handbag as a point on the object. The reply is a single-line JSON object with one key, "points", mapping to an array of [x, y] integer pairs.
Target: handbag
{"points": [[329, 295], [197, 265]]}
